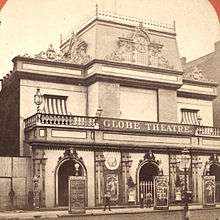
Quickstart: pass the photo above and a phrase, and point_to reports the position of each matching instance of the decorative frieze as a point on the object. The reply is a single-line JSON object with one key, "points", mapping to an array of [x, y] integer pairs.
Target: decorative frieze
{"points": [[196, 74], [138, 48]]}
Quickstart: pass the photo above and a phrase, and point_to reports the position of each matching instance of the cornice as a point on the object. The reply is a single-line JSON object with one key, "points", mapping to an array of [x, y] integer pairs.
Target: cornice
{"points": [[132, 148], [48, 62], [191, 82], [195, 95], [49, 78], [132, 66], [125, 81]]}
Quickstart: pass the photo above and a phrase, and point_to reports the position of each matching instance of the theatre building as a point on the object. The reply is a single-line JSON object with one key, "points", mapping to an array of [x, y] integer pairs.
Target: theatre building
{"points": [[113, 105]]}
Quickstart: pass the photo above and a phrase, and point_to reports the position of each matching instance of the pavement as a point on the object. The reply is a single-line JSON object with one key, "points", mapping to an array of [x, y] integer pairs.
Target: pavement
{"points": [[52, 214]]}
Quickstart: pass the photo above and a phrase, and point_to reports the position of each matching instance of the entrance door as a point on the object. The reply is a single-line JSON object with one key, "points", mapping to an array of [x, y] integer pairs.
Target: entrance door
{"points": [[146, 177], [65, 170], [215, 171]]}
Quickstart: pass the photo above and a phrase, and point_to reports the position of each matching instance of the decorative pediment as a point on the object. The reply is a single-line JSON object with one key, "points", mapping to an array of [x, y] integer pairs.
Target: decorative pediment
{"points": [[149, 157], [76, 52], [138, 48], [70, 153], [196, 74]]}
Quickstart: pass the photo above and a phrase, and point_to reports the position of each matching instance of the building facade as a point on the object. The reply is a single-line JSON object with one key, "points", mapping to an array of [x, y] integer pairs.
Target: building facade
{"points": [[208, 65], [115, 106]]}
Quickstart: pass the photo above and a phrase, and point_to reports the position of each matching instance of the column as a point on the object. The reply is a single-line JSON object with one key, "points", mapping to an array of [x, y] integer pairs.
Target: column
{"points": [[99, 178], [173, 170], [195, 177], [125, 174]]}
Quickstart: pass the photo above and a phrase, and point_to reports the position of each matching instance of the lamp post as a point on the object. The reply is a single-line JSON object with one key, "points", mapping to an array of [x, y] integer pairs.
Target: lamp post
{"points": [[99, 112], [38, 99], [199, 120], [185, 162]]}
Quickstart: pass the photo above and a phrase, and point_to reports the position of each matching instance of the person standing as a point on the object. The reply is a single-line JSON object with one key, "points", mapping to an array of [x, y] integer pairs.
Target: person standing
{"points": [[107, 200], [141, 200], [11, 196], [149, 199]]}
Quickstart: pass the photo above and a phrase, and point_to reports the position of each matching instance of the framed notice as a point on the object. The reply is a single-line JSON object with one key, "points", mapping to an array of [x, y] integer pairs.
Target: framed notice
{"points": [[209, 190], [161, 192], [77, 193]]}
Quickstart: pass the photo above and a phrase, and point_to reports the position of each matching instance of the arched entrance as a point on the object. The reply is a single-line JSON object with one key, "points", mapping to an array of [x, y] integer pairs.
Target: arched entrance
{"points": [[68, 168], [68, 165], [147, 170], [146, 178], [215, 171]]}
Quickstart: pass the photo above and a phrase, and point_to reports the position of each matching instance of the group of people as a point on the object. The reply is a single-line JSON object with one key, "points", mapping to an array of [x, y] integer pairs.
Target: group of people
{"points": [[148, 200], [143, 201]]}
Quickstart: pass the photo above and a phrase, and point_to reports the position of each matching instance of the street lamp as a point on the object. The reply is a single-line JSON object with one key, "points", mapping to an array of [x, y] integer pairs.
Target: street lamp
{"points": [[38, 99], [99, 112], [199, 120], [185, 163]]}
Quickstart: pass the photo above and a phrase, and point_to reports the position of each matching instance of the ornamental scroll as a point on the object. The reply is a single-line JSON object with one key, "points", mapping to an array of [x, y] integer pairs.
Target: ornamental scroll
{"points": [[75, 52], [138, 48]]}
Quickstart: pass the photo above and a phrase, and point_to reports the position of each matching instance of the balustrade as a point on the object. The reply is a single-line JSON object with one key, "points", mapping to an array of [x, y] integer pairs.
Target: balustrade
{"points": [[42, 119], [60, 120]]}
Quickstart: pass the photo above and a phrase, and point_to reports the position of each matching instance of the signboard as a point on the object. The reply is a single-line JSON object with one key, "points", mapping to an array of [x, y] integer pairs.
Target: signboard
{"points": [[145, 127], [77, 194], [161, 192], [209, 190]]}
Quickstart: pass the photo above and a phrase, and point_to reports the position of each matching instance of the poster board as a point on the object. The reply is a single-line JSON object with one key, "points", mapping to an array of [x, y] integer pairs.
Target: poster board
{"points": [[161, 192], [208, 191], [77, 194]]}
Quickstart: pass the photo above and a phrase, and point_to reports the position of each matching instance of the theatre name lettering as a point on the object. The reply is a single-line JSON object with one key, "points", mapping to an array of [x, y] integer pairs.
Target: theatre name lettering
{"points": [[145, 127]]}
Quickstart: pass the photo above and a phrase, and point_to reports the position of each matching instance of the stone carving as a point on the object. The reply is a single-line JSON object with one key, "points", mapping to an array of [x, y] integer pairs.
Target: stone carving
{"points": [[49, 54], [138, 48], [196, 75], [70, 153], [75, 52], [149, 156]]}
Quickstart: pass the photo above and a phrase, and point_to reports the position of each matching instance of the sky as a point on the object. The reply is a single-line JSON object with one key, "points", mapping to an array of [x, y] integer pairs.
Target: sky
{"points": [[29, 26]]}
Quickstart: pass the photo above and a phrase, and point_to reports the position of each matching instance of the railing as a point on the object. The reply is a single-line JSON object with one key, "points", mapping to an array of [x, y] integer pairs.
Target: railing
{"points": [[122, 19], [42, 119], [60, 120], [109, 16]]}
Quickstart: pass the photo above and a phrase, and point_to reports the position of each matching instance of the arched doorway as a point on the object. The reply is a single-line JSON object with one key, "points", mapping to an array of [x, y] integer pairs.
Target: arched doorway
{"points": [[146, 178], [68, 168], [68, 165], [147, 170], [215, 171]]}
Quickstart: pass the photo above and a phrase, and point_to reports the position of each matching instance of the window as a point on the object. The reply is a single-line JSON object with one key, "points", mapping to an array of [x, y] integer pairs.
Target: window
{"points": [[55, 104], [190, 116]]}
